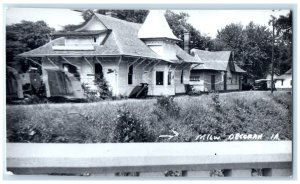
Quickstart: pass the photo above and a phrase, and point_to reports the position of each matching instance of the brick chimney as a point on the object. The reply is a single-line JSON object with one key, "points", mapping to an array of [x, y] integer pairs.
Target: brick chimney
{"points": [[186, 41]]}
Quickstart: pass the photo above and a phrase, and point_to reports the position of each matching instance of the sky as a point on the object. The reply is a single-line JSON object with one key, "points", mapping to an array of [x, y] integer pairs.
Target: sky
{"points": [[206, 21]]}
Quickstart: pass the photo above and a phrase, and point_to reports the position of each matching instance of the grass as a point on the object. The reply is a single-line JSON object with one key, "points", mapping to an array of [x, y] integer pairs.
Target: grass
{"points": [[130, 120]]}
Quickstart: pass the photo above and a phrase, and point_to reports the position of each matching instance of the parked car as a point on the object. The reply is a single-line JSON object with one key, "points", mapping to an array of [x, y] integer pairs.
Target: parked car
{"points": [[140, 91], [262, 84]]}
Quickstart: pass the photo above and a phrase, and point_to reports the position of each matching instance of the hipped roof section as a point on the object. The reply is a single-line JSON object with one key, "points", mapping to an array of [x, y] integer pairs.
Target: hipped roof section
{"points": [[122, 40]]}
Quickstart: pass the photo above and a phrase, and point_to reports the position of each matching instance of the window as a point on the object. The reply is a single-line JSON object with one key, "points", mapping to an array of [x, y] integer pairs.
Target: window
{"points": [[159, 78], [181, 77], [195, 78], [95, 39], [169, 78], [130, 74], [282, 82]]}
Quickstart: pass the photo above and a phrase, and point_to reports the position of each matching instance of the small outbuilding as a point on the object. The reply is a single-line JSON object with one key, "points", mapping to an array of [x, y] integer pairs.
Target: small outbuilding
{"points": [[284, 81], [217, 73]]}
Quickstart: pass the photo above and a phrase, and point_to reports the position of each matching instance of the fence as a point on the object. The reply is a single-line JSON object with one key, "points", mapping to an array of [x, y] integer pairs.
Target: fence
{"points": [[199, 159]]}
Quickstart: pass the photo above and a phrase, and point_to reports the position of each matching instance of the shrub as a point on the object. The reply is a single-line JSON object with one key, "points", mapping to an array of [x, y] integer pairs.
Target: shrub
{"points": [[216, 99], [130, 129], [166, 107], [103, 87], [101, 93]]}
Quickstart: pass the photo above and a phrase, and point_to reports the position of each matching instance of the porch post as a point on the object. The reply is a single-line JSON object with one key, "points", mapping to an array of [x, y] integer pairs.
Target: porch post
{"points": [[69, 62], [88, 62], [52, 62], [117, 90]]}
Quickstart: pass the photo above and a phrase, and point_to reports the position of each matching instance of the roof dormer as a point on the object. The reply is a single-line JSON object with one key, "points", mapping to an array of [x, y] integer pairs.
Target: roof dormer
{"points": [[79, 40]]}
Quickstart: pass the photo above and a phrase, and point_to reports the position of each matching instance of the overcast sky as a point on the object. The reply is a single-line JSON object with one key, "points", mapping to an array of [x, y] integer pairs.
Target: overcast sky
{"points": [[206, 21]]}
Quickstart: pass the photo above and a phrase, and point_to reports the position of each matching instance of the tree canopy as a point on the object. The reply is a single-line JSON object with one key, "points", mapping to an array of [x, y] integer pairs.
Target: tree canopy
{"points": [[252, 45], [25, 36]]}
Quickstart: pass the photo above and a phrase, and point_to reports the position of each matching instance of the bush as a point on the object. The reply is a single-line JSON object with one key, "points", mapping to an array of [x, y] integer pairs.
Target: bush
{"points": [[103, 87], [102, 92], [166, 107], [146, 120], [129, 129], [216, 100]]}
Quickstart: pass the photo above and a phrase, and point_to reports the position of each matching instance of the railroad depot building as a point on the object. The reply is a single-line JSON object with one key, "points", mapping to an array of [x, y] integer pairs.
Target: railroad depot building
{"points": [[218, 71], [125, 53]]}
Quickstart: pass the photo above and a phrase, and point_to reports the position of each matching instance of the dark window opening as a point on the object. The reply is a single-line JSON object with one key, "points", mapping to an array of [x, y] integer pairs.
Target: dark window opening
{"points": [[195, 78], [181, 77], [95, 39], [98, 70], [282, 82], [71, 69], [130, 74], [169, 78], [159, 78]]}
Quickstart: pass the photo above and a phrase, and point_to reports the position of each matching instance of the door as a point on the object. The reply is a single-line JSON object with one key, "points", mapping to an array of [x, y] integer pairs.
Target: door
{"points": [[225, 81], [213, 79]]}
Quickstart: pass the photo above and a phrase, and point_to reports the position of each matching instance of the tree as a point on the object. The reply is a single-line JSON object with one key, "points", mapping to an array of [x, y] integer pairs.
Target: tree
{"points": [[257, 50], [25, 36], [178, 23], [251, 46], [284, 34], [231, 38], [284, 27]]}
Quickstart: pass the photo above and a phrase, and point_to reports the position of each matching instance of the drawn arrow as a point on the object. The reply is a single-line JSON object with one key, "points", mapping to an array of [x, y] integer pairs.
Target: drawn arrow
{"points": [[170, 136]]}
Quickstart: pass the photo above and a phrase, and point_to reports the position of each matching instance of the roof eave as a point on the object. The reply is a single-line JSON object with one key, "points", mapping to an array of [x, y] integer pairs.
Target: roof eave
{"points": [[159, 38]]}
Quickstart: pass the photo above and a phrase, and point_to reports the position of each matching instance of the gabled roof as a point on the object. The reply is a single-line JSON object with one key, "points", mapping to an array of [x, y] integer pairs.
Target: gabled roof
{"points": [[218, 60], [156, 26], [204, 55], [184, 56], [289, 71], [286, 75], [238, 69]]}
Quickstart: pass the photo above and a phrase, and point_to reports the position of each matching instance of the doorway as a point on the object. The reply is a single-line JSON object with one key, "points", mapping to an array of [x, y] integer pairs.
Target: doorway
{"points": [[213, 80], [98, 70], [225, 81]]}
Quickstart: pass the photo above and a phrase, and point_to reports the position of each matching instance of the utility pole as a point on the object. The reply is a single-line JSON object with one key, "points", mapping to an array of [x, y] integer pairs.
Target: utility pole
{"points": [[272, 70]]}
